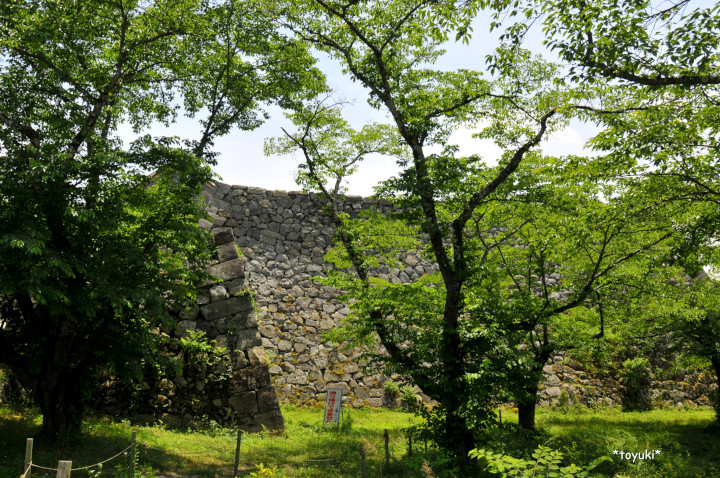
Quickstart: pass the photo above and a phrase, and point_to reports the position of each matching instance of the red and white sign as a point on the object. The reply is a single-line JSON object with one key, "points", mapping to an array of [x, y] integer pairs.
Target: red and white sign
{"points": [[333, 402]]}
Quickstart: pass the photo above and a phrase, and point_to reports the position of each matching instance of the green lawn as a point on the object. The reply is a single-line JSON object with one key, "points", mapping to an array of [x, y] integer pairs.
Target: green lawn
{"points": [[306, 449], [689, 446]]}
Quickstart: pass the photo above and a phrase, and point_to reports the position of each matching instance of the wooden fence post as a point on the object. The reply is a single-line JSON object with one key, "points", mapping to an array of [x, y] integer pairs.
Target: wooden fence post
{"points": [[362, 462], [387, 449], [28, 457], [237, 453], [64, 469], [133, 452]]}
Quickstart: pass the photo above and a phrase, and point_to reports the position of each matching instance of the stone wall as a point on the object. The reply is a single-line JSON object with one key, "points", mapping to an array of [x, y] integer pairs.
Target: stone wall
{"points": [[567, 383], [284, 237]]}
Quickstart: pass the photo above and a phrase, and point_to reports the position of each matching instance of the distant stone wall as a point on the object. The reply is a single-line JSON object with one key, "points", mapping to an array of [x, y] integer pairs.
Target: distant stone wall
{"points": [[566, 383], [284, 237]]}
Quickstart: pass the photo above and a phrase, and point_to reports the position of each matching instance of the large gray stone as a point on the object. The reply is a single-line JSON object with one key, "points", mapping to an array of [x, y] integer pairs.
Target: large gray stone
{"points": [[272, 420], [553, 392], [227, 252], [268, 331], [246, 319], [250, 378], [184, 327], [228, 307], [267, 400], [218, 293], [227, 270], [190, 313], [235, 286], [223, 235], [297, 378], [374, 402], [553, 381], [341, 385], [247, 339], [256, 356]]}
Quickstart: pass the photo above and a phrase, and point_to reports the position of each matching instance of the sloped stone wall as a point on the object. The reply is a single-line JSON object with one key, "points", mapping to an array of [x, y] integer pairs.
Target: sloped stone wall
{"points": [[226, 315], [232, 385]]}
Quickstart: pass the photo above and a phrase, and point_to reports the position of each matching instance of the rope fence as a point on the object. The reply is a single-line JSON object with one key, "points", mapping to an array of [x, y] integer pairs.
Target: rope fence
{"points": [[64, 468]]}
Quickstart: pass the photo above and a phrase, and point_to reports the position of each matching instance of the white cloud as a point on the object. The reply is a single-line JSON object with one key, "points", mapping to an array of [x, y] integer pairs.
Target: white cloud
{"points": [[570, 140]]}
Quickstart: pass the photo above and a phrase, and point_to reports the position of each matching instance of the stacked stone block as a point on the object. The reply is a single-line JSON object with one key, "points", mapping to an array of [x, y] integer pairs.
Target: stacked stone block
{"points": [[231, 386], [225, 312]]}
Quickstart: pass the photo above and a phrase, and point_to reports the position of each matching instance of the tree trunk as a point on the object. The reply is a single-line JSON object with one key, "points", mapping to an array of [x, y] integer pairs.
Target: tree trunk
{"points": [[60, 385], [457, 435], [715, 360], [526, 408], [528, 403], [62, 409]]}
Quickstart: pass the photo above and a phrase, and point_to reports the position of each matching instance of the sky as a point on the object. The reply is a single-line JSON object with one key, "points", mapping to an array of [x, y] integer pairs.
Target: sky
{"points": [[241, 160]]}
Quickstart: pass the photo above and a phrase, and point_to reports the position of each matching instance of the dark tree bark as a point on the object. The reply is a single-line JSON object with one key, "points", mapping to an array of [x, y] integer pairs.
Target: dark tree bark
{"points": [[526, 408], [715, 360], [60, 386], [62, 407], [528, 403]]}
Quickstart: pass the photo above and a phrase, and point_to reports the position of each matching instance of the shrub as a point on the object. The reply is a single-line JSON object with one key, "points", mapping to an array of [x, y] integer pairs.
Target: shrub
{"points": [[545, 463], [635, 376]]}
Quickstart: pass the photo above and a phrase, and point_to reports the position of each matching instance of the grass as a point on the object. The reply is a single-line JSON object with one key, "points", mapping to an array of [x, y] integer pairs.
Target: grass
{"points": [[306, 449], [689, 446]]}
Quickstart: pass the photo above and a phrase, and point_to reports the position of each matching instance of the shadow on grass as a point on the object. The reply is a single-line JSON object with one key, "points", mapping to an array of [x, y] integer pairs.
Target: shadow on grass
{"points": [[96, 444], [305, 451], [689, 446]]}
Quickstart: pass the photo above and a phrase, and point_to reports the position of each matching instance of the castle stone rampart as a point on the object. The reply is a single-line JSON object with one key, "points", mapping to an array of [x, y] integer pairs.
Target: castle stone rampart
{"points": [[284, 237]]}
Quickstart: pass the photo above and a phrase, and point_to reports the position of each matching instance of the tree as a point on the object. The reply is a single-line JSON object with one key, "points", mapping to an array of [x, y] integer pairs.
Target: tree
{"points": [[390, 51], [666, 57], [674, 310], [655, 44], [93, 248], [538, 226], [389, 48]]}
